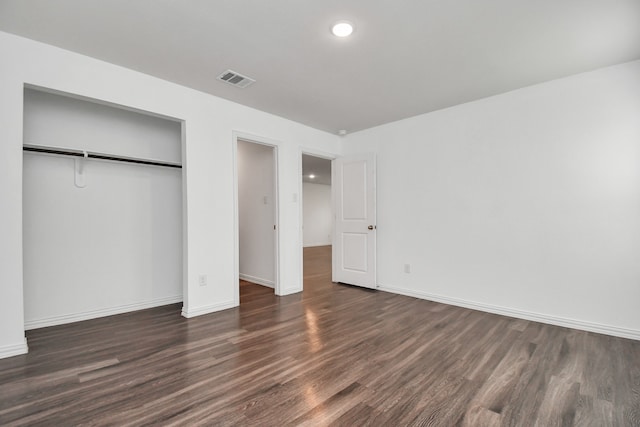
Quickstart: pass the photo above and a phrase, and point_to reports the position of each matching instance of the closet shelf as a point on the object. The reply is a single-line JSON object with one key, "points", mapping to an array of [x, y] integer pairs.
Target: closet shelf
{"points": [[100, 156]]}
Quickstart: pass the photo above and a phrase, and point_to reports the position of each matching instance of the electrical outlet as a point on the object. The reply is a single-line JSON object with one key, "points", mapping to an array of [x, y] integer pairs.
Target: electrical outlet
{"points": [[407, 268], [202, 279]]}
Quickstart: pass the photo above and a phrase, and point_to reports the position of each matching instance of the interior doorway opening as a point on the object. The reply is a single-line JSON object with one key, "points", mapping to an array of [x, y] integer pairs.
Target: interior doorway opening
{"points": [[317, 219], [257, 214]]}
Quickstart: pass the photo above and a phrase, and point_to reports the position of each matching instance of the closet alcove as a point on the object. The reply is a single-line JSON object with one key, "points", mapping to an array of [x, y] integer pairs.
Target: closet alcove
{"points": [[101, 235]]}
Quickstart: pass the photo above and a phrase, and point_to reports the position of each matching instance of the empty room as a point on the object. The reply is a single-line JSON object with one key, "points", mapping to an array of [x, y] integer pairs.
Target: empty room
{"points": [[316, 213]]}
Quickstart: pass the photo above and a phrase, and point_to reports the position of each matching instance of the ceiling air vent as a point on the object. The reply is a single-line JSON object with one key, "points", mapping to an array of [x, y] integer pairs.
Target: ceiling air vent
{"points": [[235, 79]]}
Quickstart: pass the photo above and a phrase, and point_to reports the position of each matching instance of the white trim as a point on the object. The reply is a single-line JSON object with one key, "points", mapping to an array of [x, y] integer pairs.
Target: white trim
{"points": [[314, 245], [102, 312], [185, 216], [236, 222], [257, 280], [276, 219], [189, 313], [519, 314], [14, 349]]}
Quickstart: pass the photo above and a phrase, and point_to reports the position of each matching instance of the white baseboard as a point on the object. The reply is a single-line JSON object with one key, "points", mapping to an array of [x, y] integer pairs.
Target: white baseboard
{"points": [[313, 245], [199, 311], [257, 280], [270, 284], [520, 314], [13, 349], [93, 314]]}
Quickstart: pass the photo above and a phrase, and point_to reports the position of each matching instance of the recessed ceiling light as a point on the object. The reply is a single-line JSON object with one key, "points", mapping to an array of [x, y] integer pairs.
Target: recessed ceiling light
{"points": [[342, 29], [312, 176]]}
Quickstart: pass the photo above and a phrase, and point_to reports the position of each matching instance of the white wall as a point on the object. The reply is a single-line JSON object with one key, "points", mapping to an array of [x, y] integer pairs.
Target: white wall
{"points": [[115, 245], [208, 183], [256, 212], [526, 203], [317, 214]]}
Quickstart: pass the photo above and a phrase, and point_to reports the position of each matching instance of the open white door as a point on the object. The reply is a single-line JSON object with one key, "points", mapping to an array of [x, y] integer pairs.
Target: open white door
{"points": [[354, 247]]}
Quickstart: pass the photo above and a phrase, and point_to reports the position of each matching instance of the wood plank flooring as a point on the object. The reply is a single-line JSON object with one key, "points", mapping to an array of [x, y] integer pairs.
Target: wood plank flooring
{"points": [[333, 355]]}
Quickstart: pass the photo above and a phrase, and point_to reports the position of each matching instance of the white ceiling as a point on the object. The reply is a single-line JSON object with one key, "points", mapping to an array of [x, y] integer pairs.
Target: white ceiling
{"points": [[318, 167], [404, 58]]}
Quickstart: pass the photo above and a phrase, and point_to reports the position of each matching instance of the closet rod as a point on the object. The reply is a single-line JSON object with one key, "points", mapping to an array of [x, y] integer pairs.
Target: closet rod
{"points": [[90, 155]]}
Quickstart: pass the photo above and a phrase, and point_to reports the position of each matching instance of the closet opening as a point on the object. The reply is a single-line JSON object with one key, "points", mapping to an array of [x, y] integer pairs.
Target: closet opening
{"points": [[102, 209]]}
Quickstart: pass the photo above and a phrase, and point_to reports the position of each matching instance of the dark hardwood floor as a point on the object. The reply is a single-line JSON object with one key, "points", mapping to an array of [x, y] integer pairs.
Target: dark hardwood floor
{"points": [[333, 355]]}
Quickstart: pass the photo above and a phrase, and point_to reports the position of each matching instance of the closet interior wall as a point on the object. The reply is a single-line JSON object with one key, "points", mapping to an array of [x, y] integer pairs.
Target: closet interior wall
{"points": [[114, 245], [256, 213]]}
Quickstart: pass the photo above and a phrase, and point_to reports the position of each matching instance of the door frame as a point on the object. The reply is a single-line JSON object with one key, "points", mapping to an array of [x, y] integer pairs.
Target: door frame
{"points": [[275, 145], [323, 155]]}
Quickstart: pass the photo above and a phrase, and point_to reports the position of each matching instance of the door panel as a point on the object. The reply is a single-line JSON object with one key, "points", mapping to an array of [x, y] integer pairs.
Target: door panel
{"points": [[354, 194], [354, 253], [354, 250]]}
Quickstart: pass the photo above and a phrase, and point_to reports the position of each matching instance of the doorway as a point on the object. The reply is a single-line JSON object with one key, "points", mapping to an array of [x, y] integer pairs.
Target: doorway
{"points": [[257, 214], [317, 219]]}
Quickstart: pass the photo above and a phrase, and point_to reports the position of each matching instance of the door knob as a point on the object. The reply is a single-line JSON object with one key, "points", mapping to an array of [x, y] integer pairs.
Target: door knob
{"points": [[370, 227]]}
